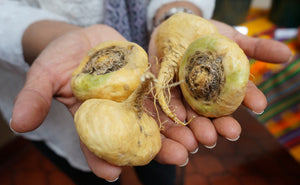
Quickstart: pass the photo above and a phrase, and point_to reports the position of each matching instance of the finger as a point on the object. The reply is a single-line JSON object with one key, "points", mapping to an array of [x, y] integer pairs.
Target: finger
{"points": [[176, 132], [33, 102], [204, 131], [261, 49], [100, 167], [254, 99], [172, 152], [228, 127], [202, 128], [264, 49], [181, 134]]}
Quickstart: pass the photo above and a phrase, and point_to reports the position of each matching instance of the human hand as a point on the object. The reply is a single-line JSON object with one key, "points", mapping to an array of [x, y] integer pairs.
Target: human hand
{"points": [[205, 130], [50, 75]]}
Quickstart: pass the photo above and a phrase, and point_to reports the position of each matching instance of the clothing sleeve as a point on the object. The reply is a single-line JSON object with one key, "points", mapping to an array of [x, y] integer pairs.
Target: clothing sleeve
{"points": [[58, 130], [15, 17], [206, 6]]}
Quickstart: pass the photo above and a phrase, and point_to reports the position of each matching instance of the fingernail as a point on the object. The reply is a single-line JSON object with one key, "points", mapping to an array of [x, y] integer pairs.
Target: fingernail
{"points": [[11, 127], [235, 139], [195, 151], [113, 180], [184, 164], [258, 113], [212, 146]]}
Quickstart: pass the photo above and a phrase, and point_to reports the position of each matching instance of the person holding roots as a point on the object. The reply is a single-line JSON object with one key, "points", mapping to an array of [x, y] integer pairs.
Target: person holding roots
{"points": [[44, 41]]}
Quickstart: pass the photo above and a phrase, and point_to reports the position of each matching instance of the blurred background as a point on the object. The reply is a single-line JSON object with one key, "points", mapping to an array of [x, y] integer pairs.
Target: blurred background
{"points": [[281, 12]]}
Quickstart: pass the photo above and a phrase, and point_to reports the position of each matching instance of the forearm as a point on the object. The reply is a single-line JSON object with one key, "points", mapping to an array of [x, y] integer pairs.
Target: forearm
{"points": [[39, 34]]}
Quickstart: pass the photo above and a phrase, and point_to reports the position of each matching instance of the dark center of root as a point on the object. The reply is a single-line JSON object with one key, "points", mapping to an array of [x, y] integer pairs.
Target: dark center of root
{"points": [[205, 75], [107, 60]]}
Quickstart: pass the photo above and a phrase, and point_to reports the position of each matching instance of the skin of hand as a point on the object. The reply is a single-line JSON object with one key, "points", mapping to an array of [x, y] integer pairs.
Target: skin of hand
{"points": [[56, 57], [205, 130], [49, 77], [55, 54]]}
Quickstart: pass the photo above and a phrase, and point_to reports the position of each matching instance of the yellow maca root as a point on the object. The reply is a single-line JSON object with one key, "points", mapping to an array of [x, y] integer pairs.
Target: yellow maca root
{"points": [[111, 70], [121, 133], [172, 39], [215, 74]]}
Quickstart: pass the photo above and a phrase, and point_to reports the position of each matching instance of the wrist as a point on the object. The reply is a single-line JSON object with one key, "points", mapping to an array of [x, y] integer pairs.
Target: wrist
{"points": [[39, 34], [169, 9]]}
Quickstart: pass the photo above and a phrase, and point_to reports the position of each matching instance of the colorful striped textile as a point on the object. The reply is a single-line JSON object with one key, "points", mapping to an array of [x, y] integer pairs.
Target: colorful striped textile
{"points": [[281, 85]]}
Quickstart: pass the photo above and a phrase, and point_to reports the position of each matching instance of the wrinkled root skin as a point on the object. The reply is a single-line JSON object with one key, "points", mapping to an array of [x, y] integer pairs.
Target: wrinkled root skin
{"points": [[120, 132]]}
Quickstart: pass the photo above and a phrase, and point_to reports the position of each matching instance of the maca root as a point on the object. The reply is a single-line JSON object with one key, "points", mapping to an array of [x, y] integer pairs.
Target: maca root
{"points": [[121, 133], [215, 74], [107, 60], [172, 39], [110, 70], [205, 75], [138, 96]]}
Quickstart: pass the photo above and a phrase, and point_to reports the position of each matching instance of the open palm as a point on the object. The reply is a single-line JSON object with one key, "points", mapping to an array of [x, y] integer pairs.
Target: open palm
{"points": [[50, 75], [204, 130]]}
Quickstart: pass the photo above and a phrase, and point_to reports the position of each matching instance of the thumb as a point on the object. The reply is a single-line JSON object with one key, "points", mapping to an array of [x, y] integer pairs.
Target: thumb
{"points": [[32, 103], [265, 49]]}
